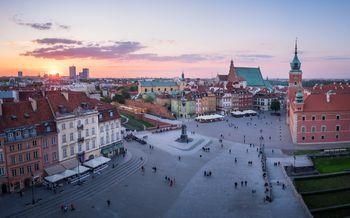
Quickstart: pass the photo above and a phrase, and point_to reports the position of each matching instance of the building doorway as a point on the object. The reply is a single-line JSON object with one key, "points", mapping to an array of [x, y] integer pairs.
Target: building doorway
{"points": [[4, 188]]}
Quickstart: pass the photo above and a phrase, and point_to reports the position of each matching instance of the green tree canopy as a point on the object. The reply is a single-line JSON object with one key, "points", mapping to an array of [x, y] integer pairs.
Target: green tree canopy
{"points": [[275, 105]]}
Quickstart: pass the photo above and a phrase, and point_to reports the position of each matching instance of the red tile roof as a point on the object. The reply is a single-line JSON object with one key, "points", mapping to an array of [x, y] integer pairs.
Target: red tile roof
{"points": [[318, 102], [24, 114]]}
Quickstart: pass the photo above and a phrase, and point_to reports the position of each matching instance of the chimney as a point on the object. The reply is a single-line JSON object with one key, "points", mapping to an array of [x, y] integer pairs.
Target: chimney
{"points": [[65, 94], [33, 103], [328, 95], [1, 102]]}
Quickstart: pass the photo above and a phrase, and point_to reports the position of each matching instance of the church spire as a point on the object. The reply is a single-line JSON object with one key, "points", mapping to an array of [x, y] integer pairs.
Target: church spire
{"points": [[296, 46]]}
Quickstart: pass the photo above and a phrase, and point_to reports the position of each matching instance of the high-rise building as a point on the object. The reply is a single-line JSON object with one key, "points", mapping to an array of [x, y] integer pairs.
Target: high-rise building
{"points": [[85, 73], [20, 74], [72, 72]]}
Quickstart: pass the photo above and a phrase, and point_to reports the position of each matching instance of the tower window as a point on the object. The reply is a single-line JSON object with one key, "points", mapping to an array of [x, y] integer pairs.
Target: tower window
{"points": [[338, 117]]}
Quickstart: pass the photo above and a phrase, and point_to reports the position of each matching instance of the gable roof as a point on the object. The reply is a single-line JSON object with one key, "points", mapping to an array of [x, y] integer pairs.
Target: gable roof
{"points": [[251, 74]]}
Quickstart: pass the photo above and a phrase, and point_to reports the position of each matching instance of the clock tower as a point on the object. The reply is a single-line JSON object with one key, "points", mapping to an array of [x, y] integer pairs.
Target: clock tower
{"points": [[295, 74], [295, 81]]}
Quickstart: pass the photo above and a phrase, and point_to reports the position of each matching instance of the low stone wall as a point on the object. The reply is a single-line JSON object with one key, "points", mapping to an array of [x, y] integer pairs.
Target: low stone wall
{"points": [[295, 192]]}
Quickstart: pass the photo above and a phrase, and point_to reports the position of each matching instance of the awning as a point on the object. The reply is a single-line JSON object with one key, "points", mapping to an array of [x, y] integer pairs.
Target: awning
{"points": [[54, 178], [80, 169], [54, 169], [68, 173], [98, 161], [112, 147], [70, 164]]}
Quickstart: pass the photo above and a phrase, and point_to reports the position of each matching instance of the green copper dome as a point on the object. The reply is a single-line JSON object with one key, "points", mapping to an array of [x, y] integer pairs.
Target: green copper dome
{"points": [[295, 64]]}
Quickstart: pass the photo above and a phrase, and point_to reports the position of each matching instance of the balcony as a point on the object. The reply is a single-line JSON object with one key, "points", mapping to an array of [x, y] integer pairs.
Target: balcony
{"points": [[81, 139], [80, 127]]}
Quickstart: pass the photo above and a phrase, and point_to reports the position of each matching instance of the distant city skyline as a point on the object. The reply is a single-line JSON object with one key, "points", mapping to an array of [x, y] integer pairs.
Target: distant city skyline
{"points": [[164, 38]]}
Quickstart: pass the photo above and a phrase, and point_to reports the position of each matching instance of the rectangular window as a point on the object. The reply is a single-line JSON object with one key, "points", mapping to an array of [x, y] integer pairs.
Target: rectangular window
{"points": [[313, 117], [64, 151], [322, 137], [86, 132], [12, 148], [1, 157], [63, 126], [86, 121], [53, 140], [20, 158], [34, 143], [93, 131], [312, 137], [93, 120], [323, 128], [79, 148], [87, 145], [54, 156], [71, 137], [303, 129], [14, 173], [21, 170], [64, 140], [323, 117], [28, 156], [337, 128], [36, 154], [338, 117], [2, 171], [71, 125], [19, 146], [13, 159], [36, 167], [46, 158], [71, 150], [304, 117], [29, 168], [93, 143]]}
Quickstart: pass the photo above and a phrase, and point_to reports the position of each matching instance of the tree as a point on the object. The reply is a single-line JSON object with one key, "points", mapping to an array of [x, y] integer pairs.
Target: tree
{"points": [[133, 88], [119, 98], [148, 99], [275, 105], [106, 99], [125, 94]]}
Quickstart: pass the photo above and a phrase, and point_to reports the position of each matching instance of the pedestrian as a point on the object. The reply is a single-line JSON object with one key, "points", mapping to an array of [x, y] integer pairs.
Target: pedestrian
{"points": [[72, 208], [179, 158], [205, 173], [108, 203], [235, 160], [229, 151], [245, 183], [241, 183], [235, 184]]}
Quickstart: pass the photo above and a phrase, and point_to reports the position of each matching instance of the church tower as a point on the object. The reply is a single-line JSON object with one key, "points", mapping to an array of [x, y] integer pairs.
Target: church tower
{"points": [[295, 89], [232, 76], [295, 74]]}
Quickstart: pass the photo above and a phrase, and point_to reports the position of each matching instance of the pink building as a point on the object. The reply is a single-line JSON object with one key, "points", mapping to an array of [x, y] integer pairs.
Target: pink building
{"points": [[317, 115]]}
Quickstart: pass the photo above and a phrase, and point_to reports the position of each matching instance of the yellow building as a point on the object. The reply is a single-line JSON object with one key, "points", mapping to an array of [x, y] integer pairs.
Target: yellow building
{"points": [[157, 86]]}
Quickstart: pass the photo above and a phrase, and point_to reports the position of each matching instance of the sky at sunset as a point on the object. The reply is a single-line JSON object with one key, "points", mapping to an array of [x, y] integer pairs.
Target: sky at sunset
{"points": [[163, 38]]}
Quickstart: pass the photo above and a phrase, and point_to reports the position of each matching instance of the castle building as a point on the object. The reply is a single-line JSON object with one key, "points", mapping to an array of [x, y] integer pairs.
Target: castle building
{"points": [[317, 115]]}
